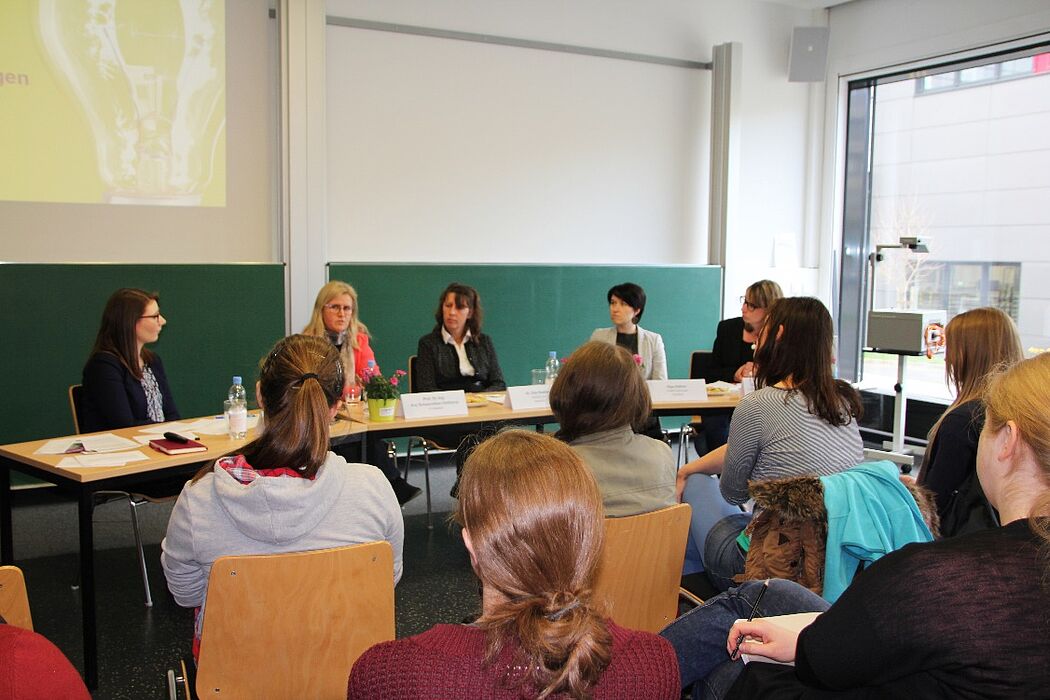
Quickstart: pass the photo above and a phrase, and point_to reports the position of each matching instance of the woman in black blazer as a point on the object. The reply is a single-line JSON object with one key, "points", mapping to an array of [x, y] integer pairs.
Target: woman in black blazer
{"points": [[124, 383], [456, 354]]}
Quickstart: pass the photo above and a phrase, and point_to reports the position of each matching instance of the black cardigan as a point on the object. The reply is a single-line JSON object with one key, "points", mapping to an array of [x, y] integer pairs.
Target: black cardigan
{"points": [[729, 352], [113, 398], [437, 365]]}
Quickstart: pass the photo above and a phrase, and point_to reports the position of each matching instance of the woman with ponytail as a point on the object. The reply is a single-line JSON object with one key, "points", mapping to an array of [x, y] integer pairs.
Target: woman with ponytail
{"points": [[286, 492], [532, 522]]}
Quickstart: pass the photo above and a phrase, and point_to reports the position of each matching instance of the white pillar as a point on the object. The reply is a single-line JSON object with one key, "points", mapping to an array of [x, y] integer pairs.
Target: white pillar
{"points": [[303, 166]]}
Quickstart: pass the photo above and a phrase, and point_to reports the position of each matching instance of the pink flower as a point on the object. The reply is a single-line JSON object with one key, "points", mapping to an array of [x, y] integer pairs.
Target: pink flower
{"points": [[638, 360], [400, 372], [393, 381]]}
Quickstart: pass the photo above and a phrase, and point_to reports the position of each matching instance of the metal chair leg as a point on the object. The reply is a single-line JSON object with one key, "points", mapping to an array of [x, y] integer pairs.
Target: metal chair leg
{"points": [[426, 478], [684, 434], [133, 504]]}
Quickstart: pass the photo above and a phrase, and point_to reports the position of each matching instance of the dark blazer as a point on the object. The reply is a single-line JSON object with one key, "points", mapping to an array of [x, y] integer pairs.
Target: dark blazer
{"points": [[730, 351], [113, 398], [437, 365]]}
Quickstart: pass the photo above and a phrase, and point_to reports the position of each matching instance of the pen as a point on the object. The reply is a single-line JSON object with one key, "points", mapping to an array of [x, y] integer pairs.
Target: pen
{"points": [[754, 609]]}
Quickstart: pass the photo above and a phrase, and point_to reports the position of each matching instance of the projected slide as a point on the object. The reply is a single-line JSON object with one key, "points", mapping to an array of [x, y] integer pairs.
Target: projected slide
{"points": [[113, 101]]}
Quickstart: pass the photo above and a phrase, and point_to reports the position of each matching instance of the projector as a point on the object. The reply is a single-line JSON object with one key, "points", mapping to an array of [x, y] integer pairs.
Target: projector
{"points": [[901, 332]]}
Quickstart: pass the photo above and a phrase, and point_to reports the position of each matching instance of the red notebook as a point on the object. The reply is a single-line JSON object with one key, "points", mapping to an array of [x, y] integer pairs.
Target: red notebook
{"points": [[173, 447]]}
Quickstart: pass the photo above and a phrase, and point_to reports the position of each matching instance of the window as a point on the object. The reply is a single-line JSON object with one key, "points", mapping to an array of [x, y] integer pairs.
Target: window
{"points": [[959, 156]]}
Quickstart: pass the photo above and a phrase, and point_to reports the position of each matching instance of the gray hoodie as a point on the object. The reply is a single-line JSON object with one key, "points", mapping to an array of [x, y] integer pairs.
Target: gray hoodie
{"points": [[219, 516]]}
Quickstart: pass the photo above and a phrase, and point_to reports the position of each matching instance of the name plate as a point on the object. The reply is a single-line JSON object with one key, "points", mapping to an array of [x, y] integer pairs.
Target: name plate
{"points": [[432, 404], [677, 390], [523, 398]]}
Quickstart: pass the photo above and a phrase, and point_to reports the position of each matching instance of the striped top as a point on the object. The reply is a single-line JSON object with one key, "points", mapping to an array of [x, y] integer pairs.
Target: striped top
{"points": [[773, 435]]}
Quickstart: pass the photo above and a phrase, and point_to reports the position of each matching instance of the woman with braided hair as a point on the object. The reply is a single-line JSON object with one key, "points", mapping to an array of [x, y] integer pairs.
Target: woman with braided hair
{"points": [[286, 492], [532, 521]]}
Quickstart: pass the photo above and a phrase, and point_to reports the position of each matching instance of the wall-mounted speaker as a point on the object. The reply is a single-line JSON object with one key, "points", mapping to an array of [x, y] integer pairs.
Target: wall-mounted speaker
{"points": [[808, 61]]}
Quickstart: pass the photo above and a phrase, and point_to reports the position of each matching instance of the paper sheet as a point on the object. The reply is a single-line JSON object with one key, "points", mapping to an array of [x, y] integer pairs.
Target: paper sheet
{"points": [[106, 442], [109, 459], [58, 446], [173, 427]]}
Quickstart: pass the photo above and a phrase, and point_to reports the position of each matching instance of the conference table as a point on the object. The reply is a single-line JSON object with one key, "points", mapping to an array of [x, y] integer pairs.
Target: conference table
{"points": [[84, 482]]}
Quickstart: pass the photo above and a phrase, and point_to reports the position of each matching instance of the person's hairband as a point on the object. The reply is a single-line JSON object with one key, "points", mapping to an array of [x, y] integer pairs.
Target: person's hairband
{"points": [[309, 375]]}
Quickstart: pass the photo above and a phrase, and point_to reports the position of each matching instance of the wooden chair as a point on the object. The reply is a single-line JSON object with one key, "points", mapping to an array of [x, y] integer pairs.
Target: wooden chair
{"points": [[76, 394], [14, 601], [292, 625], [642, 567]]}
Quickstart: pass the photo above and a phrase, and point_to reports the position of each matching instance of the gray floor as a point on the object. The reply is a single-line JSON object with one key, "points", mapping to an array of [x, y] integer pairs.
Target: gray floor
{"points": [[138, 644]]}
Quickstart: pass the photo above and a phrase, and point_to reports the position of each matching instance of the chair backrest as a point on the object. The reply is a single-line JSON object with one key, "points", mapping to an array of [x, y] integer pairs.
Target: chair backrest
{"points": [[76, 394], [292, 625], [642, 567], [14, 602], [411, 373], [700, 364]]}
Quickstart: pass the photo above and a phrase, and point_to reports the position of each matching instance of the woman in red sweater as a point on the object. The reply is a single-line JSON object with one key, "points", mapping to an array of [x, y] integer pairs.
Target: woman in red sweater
{"points": [[532, 521]]}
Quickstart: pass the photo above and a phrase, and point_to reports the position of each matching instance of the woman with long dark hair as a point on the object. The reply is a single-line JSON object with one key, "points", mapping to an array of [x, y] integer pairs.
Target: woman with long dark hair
{"points": [[532, 522], [800, 421], [124, 382], [285, 492]]}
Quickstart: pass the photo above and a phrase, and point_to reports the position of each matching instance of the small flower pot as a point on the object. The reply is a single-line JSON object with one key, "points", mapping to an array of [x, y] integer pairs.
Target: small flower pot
{"points": [[381, 410]]}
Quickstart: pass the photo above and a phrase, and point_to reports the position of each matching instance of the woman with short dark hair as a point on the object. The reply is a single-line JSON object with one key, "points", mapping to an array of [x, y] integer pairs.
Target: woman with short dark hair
{"points": [[598, 399], [532, 523], [124, 382], [626, 306]]}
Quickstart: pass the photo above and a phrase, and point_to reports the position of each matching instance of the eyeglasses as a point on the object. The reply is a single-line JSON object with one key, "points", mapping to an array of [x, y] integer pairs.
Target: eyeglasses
{"points": [[336, 308], [155, 317], [750, 306]]}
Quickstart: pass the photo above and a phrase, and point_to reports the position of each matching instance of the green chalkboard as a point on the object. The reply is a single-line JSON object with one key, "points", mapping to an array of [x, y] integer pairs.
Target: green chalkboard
{"points": [[221, 320], [532, 309]]}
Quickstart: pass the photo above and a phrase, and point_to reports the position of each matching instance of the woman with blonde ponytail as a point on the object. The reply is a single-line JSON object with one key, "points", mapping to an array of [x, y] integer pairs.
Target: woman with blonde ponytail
{"points": [[286, 492], [532, 521]]}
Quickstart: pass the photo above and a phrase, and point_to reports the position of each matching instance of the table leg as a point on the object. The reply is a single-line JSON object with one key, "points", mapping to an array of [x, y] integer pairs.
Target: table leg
{"points": [[87, 589], [7, 553]]}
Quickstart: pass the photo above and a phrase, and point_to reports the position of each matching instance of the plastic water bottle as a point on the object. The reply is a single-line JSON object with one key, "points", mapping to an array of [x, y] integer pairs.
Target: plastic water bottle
{"points": [[552, 367], [237, 410]]}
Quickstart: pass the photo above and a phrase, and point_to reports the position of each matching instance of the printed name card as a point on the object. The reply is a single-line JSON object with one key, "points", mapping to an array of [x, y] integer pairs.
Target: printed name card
{"points": [[677, 390], [524, 398], [432, 404]]}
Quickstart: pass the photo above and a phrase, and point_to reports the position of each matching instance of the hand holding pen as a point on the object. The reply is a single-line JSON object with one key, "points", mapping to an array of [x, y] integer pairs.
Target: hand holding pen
{"points": [[735, 651], [761, 637]]}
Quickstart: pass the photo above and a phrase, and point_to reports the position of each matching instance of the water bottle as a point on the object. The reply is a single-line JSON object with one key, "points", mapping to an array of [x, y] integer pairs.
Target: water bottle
{"points": [[237, 410], [552, 367], [370, 370]]}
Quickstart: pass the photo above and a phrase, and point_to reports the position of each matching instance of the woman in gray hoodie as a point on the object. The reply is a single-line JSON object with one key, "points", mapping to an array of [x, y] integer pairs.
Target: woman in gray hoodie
{"points": [[286, 492]]}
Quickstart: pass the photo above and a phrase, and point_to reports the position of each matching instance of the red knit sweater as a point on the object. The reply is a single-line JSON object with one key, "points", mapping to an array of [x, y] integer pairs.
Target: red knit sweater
{"points": [[446, 662]]}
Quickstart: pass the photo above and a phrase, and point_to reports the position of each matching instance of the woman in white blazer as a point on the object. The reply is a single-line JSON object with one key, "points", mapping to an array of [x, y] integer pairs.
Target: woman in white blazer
{"points": [[626, 305]]}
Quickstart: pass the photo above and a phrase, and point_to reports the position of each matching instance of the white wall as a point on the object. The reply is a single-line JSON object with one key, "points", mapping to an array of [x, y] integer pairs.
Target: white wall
{"points": [[775, 137]]}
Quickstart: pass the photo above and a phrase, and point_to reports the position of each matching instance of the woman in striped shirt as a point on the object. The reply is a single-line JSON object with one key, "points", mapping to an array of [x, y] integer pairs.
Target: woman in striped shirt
{"points": [[799, 421]]}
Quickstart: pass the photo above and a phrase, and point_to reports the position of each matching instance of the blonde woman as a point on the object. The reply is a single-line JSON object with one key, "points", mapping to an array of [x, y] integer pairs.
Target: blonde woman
{"points": [[976, 342], [335, 316], [532, 522]]}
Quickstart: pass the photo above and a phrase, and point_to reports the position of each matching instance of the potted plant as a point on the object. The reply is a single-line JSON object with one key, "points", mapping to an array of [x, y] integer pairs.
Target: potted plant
{"points": [[382, 394]]}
